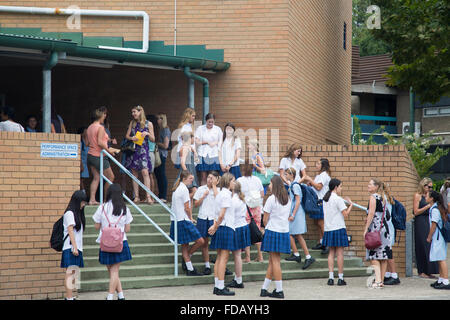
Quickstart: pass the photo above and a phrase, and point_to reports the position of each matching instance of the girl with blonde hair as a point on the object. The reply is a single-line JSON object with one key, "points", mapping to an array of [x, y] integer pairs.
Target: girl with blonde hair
{"points": [[186, 124]]}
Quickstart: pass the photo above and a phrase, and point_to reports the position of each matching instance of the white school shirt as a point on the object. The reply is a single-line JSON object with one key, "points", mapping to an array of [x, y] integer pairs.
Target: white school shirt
{"points": [[179, 198], [208, 207], [224, 200], [297, 164], [324, 179], [209, 135], [229, 151], [332, 213], [99, 217], [240, 211], [248, 184], [279, 215], [69, 220], [11, 126]]}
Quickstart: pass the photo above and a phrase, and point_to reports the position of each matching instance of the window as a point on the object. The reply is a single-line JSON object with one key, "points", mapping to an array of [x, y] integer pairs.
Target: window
{"points": [[436, 112], [345, 36]]}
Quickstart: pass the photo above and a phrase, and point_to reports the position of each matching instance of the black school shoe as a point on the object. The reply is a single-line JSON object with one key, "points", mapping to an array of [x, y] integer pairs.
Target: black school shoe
{"points": [[391, 281], [228, 272], [318, 246], [325, 250], [264, 293], [293, 257], [275, 294], [434, 284], [442, 286], [207, 271], [308, 263], [234, 284], [193, 273], [341, 282], [224, 292], [330, 282]]}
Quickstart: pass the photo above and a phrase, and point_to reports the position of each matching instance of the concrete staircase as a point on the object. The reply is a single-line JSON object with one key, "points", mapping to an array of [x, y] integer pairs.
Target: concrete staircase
{"points": [[152, 264]]}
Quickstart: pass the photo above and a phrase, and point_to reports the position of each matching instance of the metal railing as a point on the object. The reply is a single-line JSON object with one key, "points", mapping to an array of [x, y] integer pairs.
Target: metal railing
{"points": [[102, 177]]}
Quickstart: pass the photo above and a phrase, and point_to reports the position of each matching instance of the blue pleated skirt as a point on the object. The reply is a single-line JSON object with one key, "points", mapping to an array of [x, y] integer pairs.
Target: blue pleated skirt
{"points": [[203, 225], [187, 232], [235, 171], [224, 238], [335, 238], [276, 242], [243, 239], [109, 258], [68, 259], [208, 164]]}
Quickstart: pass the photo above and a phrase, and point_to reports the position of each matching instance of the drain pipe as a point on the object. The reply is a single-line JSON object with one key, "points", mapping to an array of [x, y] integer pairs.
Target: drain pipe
{"points": [[47, 90], [89, 12], [205, 82]]}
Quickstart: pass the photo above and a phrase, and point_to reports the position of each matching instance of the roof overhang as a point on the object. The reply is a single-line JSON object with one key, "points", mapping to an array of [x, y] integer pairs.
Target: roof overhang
{"points": [[373, 89]]}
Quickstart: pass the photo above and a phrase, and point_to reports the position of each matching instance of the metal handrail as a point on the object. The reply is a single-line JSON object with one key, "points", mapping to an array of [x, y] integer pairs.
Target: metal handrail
{"points": [[175, 241]]}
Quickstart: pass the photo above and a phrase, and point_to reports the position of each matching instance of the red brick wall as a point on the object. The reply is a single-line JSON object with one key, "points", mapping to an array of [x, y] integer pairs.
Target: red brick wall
{"points": [[34, 192]]}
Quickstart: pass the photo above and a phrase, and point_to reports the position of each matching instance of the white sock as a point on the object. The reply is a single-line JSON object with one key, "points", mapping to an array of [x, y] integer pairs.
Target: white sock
{"points": [[308, 257], [216, 280], [445, 281], [341, 276], [207, 265], [394, 275], [440, 280], [220, 284], [279, 285], [238, 279], [266, 283], [120, 295], [296, 254], [189, 266], [330, 275], [320, 241], [69, 298], [387, 275], [110, 296]]}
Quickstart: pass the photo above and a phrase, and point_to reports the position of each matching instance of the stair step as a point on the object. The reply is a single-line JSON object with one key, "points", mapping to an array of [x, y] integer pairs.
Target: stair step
{"points": [[183, 280]]}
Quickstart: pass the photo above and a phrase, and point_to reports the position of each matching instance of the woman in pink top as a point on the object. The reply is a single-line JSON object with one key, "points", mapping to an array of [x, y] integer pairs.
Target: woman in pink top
{"points": [[98, 140]]}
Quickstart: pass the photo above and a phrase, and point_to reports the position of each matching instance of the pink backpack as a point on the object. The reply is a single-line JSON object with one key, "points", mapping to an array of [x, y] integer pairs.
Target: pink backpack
{"points": [[112, 237]]}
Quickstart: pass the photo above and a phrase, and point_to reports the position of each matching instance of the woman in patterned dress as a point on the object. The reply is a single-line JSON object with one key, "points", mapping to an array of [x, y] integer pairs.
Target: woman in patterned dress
{"points": [[140, 160], [378, 257]]}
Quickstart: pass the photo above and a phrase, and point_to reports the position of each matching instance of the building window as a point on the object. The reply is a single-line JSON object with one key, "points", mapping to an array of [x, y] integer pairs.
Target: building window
{"points": [[436, 112], [345, 36]]}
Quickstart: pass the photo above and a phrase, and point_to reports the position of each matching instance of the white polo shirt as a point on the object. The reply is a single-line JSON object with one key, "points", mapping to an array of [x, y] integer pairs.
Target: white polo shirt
{"points": [[208, 207], [229, 151], [69, 220], [279, 215], [332, 212], [324, 179], [179, 198], [209, 135], [240, 211], [224, 200], [297, 164]]}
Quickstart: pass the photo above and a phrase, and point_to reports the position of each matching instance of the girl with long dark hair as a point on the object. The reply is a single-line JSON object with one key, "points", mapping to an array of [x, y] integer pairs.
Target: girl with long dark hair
{"points": [[114, 212], [230, 151], [74, 224]]}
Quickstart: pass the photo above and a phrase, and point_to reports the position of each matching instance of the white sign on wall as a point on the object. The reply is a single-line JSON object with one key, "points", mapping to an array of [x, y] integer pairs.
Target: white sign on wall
{"points": [[59, 150]]}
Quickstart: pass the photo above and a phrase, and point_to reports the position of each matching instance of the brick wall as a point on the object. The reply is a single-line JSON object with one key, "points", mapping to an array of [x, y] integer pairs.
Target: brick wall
{"points": [[34, 192], [355, 166]]}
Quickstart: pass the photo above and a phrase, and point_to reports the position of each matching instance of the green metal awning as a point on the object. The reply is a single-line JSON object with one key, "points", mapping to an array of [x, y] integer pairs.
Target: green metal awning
{"points": [[76, 46]]}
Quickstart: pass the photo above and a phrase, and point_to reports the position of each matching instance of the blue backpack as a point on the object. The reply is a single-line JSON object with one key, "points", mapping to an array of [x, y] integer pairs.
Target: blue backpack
{"points": [[310, 201], [398, 216], [445, 231]]}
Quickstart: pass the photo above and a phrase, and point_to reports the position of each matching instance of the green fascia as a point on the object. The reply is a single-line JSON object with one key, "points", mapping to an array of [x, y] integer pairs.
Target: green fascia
{"points": [[72, 49]]}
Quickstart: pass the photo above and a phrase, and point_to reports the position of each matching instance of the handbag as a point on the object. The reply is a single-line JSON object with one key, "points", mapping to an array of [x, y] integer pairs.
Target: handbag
{"points": [[127, 146], [372, 240], [112, 237], [157, 158], [265, 178], [255, 234]]}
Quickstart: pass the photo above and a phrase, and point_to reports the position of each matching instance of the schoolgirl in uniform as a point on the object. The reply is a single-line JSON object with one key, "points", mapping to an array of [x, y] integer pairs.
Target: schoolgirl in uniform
{"points": [[242, 233], [292, 159], [186, 230], [223, 233], [391, 276], [276, 237], [335, 235], [230, 152], [297, 220], [74, 224], [320, 185], [115, 211], [204, 198], [438, 250]]}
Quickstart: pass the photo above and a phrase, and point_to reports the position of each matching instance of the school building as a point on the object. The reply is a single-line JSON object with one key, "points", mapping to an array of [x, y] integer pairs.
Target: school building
{"points": [[274, 68]]}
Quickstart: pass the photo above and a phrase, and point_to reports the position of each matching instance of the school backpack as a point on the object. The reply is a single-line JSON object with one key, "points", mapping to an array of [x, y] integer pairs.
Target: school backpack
{"points": [[444, 194], [445, 231], [112, 237], [57, 238], [398, 215], [310, 201]]}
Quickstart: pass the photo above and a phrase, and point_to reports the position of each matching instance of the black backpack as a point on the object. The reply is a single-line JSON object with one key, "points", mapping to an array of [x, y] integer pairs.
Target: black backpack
{"points": [[398, 215], [57, 238]]}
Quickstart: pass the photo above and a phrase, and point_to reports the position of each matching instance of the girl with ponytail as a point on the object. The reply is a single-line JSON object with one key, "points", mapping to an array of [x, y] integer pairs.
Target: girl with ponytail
{"points": [[438, 251], [335, 233]]}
